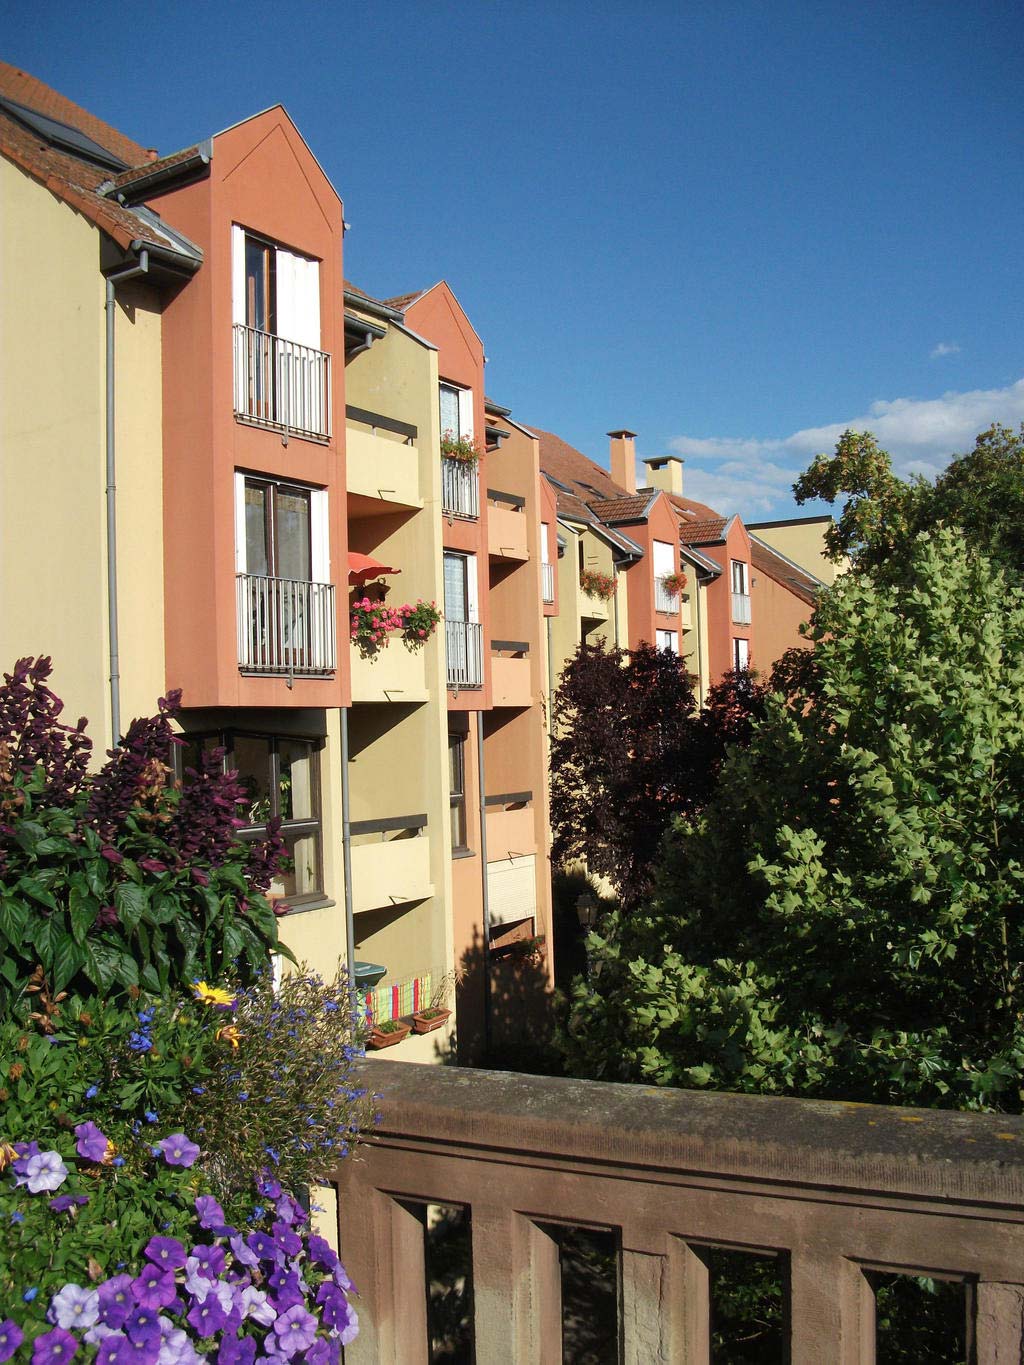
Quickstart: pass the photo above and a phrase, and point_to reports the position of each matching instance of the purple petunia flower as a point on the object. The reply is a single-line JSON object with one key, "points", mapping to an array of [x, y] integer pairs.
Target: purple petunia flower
{"points": [[63, 1202], [165, 1251], [117, 1349], [142, 1326], [11, 1337], [43, 1171], [115, 1300], [287, 1292], [211, 1215], [207, 1317], [290, 1242], [236, 1352], [295, 1331], [255, 1304], [243, 1255], [264, 1246], [153, 1287], [324, 1351], [175, 1347], [178, 1150], [92, 1143], [53, 1347], [74, 1308], [269, 1188], [321, 1252], [209, 1260]]}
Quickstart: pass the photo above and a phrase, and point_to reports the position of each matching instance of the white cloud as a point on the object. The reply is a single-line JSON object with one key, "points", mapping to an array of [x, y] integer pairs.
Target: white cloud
{"points": [[945, 348], [753, 476]]}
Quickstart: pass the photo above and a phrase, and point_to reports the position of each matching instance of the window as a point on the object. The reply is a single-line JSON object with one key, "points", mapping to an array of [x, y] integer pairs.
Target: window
{"points": [[740, 593], [456, 411], [457, 785], [463, 633], [276, 291], [281, 777], [740, 654], [667, 639]]}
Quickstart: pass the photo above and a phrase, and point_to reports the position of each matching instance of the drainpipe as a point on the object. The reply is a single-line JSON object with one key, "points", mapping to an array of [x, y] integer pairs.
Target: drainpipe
{"points": [[483, 878], [113, 280], [346, 856], [615, 574]]}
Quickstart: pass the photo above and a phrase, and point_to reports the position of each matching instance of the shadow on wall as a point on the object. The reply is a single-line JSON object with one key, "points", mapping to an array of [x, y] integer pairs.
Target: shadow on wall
{"points": [[512, 1031]]}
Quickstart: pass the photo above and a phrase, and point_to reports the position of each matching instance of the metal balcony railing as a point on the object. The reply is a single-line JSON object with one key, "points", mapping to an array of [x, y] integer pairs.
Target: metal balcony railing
{"points": [[464, 648], [280, 384], [460, 488], [741, 608], [547, 582], [663, 599], [285, 626]]}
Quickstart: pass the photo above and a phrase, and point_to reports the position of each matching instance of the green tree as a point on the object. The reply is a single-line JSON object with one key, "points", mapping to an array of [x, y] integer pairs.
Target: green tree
{"points": [[981, 493], [844, 918]]}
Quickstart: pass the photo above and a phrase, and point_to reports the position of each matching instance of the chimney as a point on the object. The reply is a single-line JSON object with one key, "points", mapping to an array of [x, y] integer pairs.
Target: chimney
{"points": [[623, 458], [666, 473]]}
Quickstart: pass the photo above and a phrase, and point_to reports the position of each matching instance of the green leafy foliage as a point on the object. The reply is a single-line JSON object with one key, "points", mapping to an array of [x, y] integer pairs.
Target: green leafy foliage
{"points": [[843, 918]]}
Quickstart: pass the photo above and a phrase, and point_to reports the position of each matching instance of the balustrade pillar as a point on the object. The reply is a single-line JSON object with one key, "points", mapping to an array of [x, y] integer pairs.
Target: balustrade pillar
{"points": [[517, 1293], [832, 1311], [651, 1309], [999, 1324]]}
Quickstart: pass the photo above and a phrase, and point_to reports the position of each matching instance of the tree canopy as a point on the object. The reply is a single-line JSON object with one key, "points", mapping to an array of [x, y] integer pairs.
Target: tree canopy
{"points": [[981, 493], [844, 918]]}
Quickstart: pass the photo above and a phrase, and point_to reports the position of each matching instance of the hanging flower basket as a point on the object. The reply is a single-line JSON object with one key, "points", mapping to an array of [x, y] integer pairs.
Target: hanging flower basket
{"points": [[674, 583], [600, 585]]}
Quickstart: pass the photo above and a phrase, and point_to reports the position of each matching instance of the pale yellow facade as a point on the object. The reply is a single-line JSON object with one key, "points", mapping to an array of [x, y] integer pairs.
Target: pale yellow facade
{"points": [[53, 472], [802, 541]]}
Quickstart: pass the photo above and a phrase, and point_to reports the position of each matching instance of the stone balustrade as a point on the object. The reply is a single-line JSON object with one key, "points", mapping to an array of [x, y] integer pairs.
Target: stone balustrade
{"points": [[834, 1192]]}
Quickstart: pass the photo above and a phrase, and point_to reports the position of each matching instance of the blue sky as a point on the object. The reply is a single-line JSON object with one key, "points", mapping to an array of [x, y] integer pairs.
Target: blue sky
{"points": [[736, 228]]}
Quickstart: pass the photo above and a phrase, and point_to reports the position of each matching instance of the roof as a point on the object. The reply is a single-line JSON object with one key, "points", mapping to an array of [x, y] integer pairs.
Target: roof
{"points": [[401, 302], [560, 460], [19, 85], [634, 508], [78, 179], [769, 561], [707, 532], [157, 167]]}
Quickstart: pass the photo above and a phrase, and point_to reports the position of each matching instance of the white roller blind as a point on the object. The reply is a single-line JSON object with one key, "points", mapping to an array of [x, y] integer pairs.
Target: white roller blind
{"points": [[664, 559], [237, 273], [298, 299]]}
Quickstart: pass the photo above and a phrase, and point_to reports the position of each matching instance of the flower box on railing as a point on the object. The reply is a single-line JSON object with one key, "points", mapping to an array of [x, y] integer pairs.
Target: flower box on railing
{"points": [[596, 584]]}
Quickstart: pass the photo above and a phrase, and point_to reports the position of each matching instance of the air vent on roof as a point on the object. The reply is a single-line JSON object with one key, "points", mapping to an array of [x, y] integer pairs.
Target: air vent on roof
{"points": [[62, 135]]}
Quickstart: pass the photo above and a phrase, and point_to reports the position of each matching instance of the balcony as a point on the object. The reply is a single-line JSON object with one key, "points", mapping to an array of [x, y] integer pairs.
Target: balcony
{"points": [[282, 385], [664, 600], [390, 862], [506, 526], [547, 583], [828, 1194], [510, 826], [592, 607], [460, 488], [741, 608], [464, 650], [393, 673], [381, 458], [510, 673], [285, 626]]}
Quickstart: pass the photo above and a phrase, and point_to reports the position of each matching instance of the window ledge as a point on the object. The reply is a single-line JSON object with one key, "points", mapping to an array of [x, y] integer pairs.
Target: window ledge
{"points": [[463, 853], [323, 903]]}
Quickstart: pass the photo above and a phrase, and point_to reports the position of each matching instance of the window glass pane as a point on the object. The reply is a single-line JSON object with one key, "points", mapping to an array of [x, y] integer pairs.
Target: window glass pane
{"points": [[455, 602], [295, 783], [292, 533], [252, 759], [456, 785], [257, 559], [300, 874], [257, 299], [450, 411]]}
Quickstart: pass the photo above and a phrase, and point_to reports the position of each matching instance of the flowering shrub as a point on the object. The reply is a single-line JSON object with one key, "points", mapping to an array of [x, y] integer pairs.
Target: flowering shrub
{"points": [[371, 623], [461, 448], [260, 1079], [600, 585], [121, 877], [268, 1289]]}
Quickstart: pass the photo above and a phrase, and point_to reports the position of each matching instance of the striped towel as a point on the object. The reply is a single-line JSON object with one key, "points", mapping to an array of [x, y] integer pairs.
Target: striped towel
{"points": [[397, 1001]]}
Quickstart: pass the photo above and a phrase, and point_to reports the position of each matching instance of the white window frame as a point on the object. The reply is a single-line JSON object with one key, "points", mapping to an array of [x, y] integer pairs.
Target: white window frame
{"points": [[740, 653], [740, 577], [667, 639], [298, 289], [465, 399]]}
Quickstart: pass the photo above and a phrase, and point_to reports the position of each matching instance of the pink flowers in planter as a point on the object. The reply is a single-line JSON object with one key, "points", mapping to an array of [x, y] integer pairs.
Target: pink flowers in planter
{"points": [[372, 622]]}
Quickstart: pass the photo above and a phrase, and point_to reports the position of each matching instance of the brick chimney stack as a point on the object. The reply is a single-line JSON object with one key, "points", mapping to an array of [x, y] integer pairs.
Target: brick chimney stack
{"points": [[665, 472], [623, 458]]}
